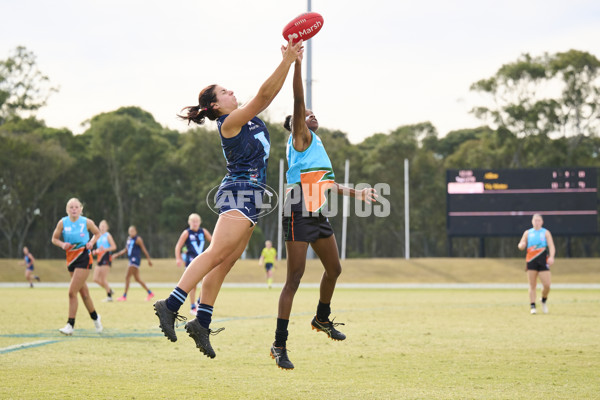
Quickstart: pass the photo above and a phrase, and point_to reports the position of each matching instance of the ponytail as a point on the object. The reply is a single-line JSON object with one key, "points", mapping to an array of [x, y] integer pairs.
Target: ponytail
{"points": [[197, 114], [288, 123], [204, 109]]}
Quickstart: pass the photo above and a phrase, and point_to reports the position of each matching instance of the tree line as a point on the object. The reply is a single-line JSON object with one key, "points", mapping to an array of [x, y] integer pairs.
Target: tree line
{"points": [[130, 170]]}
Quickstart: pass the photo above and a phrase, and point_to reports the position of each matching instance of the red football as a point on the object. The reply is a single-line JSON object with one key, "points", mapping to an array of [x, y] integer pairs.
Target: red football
{"points": [[304, 26]]}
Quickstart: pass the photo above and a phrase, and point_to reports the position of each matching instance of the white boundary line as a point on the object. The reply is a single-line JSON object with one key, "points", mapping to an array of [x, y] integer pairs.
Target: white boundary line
{"points": [[25, 345], [477, 286]]}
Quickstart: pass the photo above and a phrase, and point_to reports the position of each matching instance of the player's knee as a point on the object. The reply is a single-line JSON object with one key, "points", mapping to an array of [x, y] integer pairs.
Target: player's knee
{"points": [[217, 257], [335, 271], [293, 282]]}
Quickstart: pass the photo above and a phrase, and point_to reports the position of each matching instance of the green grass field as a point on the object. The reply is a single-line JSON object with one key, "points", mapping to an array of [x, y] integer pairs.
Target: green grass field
{"points": [[356, 270], [402, 344]]}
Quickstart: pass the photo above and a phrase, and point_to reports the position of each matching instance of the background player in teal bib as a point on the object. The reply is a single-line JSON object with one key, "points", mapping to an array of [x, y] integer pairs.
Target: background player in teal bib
{"points": [[245, 143], [309, 177], [134, 248], [104, 248], [75, 230], [193, 239], [540, 256]]}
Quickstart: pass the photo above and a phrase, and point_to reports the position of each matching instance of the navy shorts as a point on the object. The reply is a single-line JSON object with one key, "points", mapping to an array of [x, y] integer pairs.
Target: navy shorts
{"points": [[539, 263], [302, 228], [134, 262], [268, 266], [241, 196]]}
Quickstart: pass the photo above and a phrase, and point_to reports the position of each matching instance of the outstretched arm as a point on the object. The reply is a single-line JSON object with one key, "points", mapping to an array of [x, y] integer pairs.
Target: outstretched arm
{"points": [[267, 92], [120, 253], [368, 195], [301, 135]]}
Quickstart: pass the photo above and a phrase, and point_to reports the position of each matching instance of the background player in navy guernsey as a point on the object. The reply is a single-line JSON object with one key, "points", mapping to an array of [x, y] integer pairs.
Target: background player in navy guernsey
{"points": [[245, 143], [134, 248], [310, 176], [75, 230], [28, 260], [193, 239]]}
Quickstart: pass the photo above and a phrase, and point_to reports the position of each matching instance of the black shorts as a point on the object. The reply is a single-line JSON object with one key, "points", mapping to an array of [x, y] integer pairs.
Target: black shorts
{"points": [[299, 228], [106, 259], [539, 263], [83, 261]]}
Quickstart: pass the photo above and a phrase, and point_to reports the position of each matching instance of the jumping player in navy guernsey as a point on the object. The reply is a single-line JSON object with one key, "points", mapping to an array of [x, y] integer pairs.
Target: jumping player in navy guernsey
{"points": [[245, 143], [193, 240]]}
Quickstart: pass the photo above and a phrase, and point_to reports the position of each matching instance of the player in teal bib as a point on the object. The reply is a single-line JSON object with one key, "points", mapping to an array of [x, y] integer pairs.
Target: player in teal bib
{"points": [[540, 256], [309, 178], [76, 241], [104, 248]]}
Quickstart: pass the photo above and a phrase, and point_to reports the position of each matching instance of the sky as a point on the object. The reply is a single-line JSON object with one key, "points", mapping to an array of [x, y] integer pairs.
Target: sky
{"points": [[377, 64]]}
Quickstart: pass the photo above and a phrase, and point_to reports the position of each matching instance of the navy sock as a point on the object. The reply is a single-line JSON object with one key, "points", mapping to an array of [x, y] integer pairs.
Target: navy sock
{"points": [[323, 311], [94, 315], [544, 299], [532, 305], [176, 299], [204, 315], [281, 334], [71, 321]]}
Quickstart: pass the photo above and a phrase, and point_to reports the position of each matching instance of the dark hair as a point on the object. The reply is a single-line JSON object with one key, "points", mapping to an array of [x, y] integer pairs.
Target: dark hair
{"points": [[204, 108], [288, 123]]}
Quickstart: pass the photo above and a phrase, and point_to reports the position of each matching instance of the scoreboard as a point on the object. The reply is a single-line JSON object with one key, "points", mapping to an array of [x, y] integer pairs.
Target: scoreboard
{"points": [[501, 202]]}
